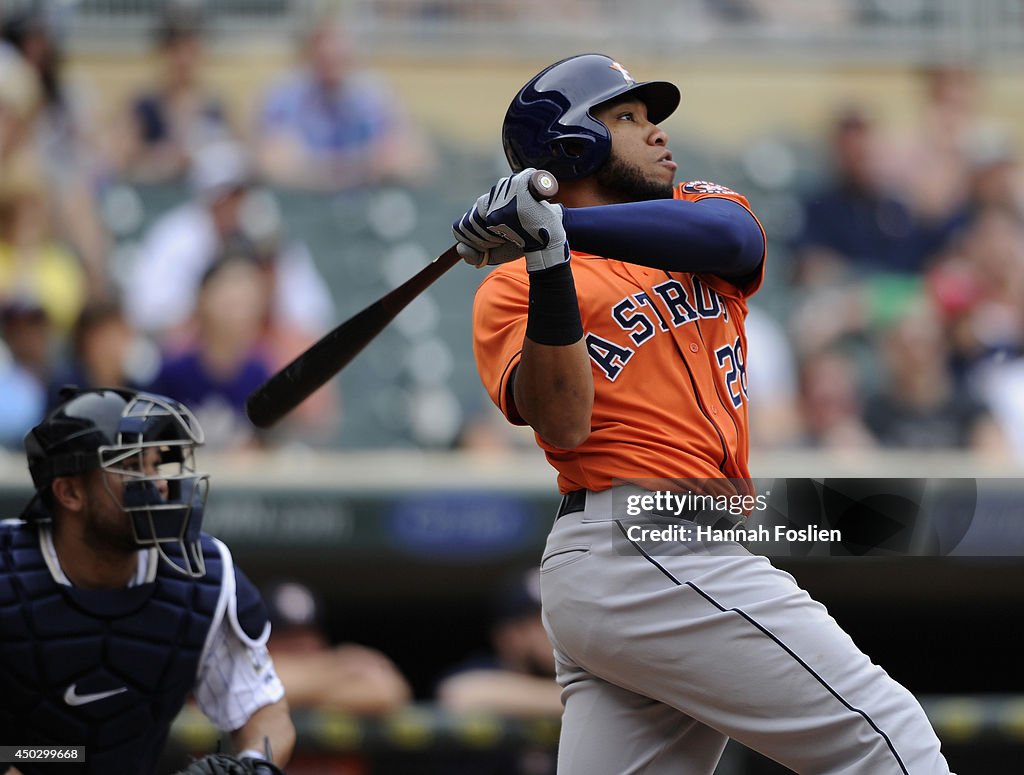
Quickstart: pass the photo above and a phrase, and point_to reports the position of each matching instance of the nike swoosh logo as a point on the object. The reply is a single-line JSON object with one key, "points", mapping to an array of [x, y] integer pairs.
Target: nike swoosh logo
{"points": [[71, 697]]}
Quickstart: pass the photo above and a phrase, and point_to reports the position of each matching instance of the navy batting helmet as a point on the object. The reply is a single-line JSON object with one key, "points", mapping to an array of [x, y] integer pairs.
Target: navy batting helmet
{"points": [[549, 123], [111, 429]]}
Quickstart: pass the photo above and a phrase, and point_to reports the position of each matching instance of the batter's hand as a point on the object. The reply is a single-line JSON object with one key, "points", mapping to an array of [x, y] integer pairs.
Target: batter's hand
{"points": [[532, 224], [510, 215], [477, 246]]}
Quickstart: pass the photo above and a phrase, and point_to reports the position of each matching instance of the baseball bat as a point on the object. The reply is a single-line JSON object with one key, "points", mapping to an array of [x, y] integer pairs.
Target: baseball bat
{"points": [[294, 383]]}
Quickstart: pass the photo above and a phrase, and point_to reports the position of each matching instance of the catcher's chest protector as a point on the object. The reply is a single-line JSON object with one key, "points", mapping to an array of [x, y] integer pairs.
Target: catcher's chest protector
{"points": [[106, 669]]}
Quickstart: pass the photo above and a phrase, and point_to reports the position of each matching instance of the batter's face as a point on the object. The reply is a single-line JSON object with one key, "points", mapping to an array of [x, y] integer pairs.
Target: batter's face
{"points": [[640, 166]]}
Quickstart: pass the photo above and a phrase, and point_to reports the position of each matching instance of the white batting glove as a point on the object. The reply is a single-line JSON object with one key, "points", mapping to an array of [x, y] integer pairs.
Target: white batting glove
{"points": [[534, 225]]}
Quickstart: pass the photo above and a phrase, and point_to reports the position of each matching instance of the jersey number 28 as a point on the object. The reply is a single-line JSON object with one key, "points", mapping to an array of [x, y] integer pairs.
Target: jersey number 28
{"points": [[731, 357]]}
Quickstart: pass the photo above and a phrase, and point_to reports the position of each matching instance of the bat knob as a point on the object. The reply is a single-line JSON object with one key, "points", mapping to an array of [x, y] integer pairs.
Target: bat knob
{"points": [[543, 184]]}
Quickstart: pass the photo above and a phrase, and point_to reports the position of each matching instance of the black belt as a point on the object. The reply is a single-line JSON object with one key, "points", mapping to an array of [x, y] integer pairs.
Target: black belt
{"points": [[576, 500], [572, 502]]}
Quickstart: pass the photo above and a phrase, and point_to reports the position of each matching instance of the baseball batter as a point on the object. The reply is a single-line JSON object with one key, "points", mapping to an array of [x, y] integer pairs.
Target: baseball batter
{"points": [[627, 356]]}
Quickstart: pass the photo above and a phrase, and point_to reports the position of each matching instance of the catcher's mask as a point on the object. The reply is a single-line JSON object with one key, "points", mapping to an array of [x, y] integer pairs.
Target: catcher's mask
{"points": [[114, 430]]}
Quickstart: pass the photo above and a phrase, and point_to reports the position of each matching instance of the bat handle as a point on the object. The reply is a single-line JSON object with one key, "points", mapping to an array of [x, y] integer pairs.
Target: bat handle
{"points": [[542, 185]]}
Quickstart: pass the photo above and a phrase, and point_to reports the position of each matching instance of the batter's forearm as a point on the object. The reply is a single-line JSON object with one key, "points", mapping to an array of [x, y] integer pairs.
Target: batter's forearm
{"points": [[553, 386], [554, 392]]}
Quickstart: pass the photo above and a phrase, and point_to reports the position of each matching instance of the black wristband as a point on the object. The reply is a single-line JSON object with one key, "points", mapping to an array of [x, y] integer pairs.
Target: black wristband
{"points": [[554, 316]]}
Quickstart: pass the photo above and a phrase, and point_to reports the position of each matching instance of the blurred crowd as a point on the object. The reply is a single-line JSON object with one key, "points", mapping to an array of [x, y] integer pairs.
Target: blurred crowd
{"points": [[902, 321], [905, 289], [217, 296], [508, 674]]}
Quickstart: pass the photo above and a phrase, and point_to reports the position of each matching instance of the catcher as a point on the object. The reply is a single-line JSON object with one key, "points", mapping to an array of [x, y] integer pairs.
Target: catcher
{"points": [[115, 607]]}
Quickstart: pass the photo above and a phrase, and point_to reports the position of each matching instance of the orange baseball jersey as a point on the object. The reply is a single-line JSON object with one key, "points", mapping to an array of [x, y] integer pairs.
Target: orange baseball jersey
{"points": [[668, 351]]}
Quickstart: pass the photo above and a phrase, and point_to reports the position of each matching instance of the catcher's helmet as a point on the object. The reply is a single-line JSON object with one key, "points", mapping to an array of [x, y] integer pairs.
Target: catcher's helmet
{"points": [[549, 124], [111, 429]]}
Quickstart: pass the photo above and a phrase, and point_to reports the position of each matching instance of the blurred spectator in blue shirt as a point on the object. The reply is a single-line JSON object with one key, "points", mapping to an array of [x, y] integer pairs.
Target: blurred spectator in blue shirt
{"points": [[332, 126], [29, 335], [853, 225], [171, 121], [23, 401]]}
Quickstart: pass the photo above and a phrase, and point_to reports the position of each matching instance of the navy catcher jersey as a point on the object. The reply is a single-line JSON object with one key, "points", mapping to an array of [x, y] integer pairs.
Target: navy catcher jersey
{"points": [[107, 669]]}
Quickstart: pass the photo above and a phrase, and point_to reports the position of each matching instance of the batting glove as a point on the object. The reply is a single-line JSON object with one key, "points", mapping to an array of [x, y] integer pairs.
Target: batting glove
{"points": [[534, 225], [477, 246], [509, 222]]}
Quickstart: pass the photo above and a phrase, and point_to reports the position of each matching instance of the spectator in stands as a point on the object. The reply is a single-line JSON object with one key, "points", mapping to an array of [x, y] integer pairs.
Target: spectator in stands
{"points": [[830, 393], [23, 401], [978, 286], [918, 405], [168, 123], [331, 126], [772, 380], [516, 678], [929, 163], [222, 365], [178, 249], [20, 98], [1001, 384], [29, 336], [103, 351], [32, 262], [979, 289], [60, 132], [344, 677], [854, 224], [826, 316], [996, 178]]}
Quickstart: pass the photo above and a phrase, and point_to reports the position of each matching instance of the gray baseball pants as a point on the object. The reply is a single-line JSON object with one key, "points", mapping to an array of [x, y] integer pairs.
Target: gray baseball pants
{"points": [[664, 651]]}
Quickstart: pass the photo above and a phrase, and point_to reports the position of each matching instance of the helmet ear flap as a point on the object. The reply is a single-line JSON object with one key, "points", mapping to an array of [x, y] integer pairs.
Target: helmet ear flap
{"points": [[573, 148]]}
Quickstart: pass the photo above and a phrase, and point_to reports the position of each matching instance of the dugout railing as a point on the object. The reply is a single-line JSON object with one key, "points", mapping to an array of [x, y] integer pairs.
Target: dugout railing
{"points": [[980, 733]]}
